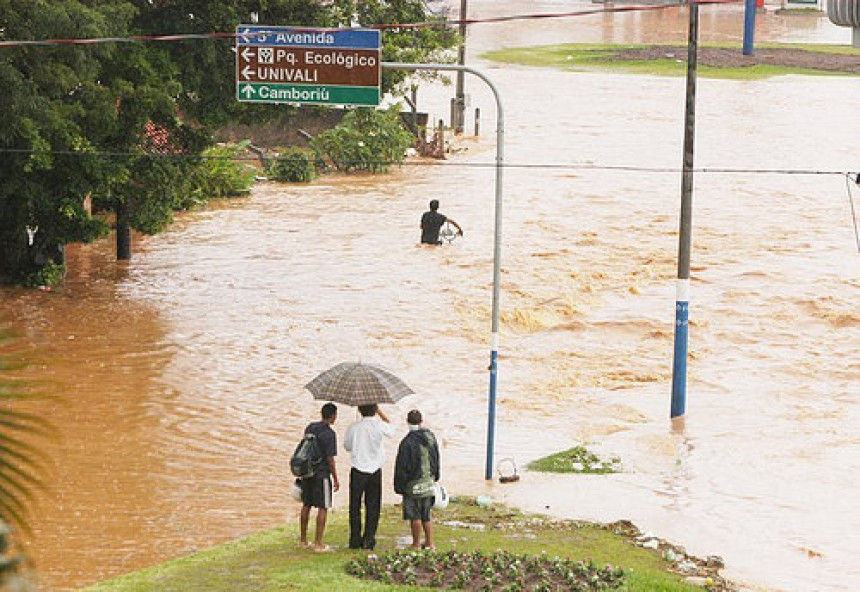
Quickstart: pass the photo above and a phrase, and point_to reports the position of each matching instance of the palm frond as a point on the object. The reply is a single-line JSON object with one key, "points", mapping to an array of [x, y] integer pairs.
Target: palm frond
{"points": [[23, 462]]}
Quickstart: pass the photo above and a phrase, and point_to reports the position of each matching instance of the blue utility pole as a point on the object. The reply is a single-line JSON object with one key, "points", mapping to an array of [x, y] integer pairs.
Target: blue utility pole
{"points": [[682, 295], [749, 25]]}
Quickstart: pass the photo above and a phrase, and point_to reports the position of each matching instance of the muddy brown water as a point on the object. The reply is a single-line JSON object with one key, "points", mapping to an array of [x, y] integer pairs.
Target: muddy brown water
{"points": [[181, 372]]}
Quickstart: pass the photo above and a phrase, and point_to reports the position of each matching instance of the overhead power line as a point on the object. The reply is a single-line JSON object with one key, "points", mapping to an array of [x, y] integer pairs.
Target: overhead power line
{"points": [[848, 181], [383, 26], [443, 163]]}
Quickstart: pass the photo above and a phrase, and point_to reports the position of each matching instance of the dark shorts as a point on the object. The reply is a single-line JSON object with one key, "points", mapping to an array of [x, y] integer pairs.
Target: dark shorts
{"points": [[316, 491], [417, 508]]}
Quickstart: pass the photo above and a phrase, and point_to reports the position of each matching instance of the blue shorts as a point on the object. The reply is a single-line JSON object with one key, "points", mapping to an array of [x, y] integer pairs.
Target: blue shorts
{"points": [[316, 491], [417, 508]]}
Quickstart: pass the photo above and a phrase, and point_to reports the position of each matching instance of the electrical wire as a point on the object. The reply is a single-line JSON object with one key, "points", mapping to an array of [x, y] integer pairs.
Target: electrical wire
{"points": [[500, 19], [851, 202], [418, 25], [438, 163]]}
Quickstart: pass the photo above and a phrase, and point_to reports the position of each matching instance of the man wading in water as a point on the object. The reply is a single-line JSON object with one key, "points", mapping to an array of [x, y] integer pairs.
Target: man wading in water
{"points": [[432, 221]]}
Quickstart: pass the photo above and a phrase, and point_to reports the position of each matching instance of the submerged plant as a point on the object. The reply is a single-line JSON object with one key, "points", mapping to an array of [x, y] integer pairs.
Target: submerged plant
{"points": [[576, 460], [293, 165]]}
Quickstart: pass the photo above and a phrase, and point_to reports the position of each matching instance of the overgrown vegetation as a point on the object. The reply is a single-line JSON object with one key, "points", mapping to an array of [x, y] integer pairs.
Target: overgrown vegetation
{"points": [[125, 124], [49, 276], [293, 165], [218, 175], [369, 140], [576, 460]]}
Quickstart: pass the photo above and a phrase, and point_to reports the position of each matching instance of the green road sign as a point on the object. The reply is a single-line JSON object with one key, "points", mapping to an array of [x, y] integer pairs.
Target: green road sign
{"points": [[256, 92], [314, 66]]}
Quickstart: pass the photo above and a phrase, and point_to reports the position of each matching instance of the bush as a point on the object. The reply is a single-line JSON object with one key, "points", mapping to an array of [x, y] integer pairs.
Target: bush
{"points": [[478, 571], [294, 165], [50, 276], [366, 140], [576, 460], [218, 174]]}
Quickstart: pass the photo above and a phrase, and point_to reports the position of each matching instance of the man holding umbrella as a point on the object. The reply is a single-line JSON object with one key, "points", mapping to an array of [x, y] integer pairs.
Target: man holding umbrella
{"points": [[365, 439], [363, 386]]}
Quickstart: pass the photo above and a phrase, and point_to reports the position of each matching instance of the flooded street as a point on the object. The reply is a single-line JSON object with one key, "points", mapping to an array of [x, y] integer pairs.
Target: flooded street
{"points": [[181, 372]]}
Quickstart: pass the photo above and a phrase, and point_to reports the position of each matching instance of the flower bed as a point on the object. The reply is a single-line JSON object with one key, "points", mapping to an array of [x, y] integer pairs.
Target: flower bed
{"points": [[477, 571]]}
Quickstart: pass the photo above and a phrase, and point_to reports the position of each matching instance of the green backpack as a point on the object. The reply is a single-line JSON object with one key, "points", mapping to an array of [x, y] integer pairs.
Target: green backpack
{"points": [[307, 458], [423, 486]]}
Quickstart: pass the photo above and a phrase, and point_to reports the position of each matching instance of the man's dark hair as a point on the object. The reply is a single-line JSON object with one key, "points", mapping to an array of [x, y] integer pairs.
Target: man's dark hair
{"points": [[367, 410], [434, 204], [414, 417], [329, 410]]}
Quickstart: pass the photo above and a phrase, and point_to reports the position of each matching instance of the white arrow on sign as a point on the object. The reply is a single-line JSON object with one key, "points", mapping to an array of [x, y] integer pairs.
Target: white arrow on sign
{"points": [[243, 32], [247, 54], [248, 91], [246, 72]]}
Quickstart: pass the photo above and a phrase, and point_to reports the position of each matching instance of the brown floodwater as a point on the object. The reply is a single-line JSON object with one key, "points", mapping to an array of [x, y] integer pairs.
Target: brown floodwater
{"points": [[180, 374]]}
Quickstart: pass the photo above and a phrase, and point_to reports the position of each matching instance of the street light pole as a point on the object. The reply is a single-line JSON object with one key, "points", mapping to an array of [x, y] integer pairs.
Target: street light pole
{"points": [[459, 122], [497, 244]]}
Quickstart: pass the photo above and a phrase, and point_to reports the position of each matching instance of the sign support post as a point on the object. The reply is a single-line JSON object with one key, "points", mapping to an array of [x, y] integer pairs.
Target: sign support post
{"points": [[334, 66], [497, 243]]}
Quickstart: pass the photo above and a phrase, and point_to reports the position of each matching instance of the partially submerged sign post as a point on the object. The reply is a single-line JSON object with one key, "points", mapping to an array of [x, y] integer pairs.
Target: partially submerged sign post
{"points": [[313, 66], [497, 244]]}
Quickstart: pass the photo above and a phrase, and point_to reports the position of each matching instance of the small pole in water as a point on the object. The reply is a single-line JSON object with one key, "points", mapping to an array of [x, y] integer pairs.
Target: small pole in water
{"points": [[682, 297], [749, 26], [123, 233], [458, 120]]}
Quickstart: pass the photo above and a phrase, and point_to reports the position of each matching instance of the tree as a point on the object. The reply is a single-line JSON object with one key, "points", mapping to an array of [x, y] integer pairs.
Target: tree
{"points": [[416, 45], [45, 108], [206, 67], [124, 122], [74, 125], [367, 140]]}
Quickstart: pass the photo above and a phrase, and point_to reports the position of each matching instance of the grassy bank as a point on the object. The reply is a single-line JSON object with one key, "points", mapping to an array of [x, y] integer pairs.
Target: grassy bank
{"points": [[272, 560], [714, 60]]}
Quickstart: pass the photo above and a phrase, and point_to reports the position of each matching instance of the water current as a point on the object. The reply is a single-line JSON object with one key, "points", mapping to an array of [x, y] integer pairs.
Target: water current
{"points": [[181, 373]]}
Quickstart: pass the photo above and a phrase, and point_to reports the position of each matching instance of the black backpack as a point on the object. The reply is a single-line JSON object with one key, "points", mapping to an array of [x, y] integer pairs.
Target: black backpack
{"points": [[307, 458]]}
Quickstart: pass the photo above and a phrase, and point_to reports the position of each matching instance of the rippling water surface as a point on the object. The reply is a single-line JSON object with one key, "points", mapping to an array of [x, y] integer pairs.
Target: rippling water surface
{"points": [[181, 372]]}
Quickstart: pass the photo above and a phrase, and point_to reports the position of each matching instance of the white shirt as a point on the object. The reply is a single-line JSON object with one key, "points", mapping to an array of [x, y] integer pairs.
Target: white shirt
{"points": [[365, 440]]}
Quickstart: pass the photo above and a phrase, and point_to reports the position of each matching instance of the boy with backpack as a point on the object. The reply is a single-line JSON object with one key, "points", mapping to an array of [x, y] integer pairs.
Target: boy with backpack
{"points": [[415, 473], [317, 488]]}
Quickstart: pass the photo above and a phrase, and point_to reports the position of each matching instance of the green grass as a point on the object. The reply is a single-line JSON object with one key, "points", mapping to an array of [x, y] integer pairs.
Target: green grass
{"points": [[590, 57], [272, 560], [576, 460]]}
